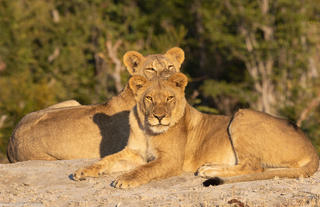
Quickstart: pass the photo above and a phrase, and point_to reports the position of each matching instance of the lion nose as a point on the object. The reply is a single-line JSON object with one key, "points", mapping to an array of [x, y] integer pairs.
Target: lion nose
{"points": [[159, 117]]}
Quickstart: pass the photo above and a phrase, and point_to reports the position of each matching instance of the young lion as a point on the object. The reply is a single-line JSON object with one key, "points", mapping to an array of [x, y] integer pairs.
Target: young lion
{"points": [[168, 136], [69, 130]]}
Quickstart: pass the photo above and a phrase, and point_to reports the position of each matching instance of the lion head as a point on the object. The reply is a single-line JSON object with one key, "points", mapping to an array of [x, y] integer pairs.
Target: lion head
{"points": [[154, 65], [160, 102]]}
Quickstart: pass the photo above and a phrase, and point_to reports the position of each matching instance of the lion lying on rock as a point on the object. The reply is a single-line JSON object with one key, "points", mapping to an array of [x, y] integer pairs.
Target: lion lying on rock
{"points": [[168, 136], [69, 130]]}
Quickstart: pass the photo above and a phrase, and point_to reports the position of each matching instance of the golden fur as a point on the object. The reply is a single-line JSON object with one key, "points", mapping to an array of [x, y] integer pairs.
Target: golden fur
{"points": [[69, 130], [168, 136]]}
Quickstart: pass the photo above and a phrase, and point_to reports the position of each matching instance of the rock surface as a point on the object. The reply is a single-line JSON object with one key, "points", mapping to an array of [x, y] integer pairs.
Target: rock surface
{"points": [[49, 183]]}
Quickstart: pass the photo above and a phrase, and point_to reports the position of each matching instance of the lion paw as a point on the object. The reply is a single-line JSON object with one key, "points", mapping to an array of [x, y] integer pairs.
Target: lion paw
{"points": [[91, 171], [125, 181], [209, 171]]}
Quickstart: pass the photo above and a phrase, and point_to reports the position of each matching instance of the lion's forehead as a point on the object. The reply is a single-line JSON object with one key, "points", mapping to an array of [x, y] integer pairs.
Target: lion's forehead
{"points": [[158, 62]]}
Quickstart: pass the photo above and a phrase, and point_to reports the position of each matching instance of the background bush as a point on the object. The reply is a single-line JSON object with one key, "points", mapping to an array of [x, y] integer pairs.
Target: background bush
{"points": [[261, 54]]}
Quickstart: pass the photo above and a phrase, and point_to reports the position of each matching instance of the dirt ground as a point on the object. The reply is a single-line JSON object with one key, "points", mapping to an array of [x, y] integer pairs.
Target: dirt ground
{"points": [[49, 183]]}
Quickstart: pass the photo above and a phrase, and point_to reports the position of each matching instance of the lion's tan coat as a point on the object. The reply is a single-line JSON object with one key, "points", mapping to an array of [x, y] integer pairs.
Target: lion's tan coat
{"points": [[250, 145]]}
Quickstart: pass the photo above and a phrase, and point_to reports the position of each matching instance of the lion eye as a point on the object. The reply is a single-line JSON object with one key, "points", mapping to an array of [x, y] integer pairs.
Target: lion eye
{"points": [[170, 98], [170, 67], [149, 98], [150, 69]]}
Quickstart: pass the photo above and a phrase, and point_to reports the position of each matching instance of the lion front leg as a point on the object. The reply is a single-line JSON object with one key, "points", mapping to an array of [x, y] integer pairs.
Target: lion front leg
{"points": [[144, 174], [94, 170], [129, 180], [122, 161]]}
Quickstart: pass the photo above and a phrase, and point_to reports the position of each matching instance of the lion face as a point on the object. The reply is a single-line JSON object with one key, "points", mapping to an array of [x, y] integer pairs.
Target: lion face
{"points": [[160, 102], [158, 106], [159, 65]]}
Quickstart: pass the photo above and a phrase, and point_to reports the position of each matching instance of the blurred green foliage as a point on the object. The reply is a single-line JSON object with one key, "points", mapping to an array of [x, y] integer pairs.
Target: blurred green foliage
{"points": [[258, 54]]}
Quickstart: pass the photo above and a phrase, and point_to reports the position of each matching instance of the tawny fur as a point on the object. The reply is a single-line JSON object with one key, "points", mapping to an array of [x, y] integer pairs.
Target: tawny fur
{"points": [[69, 130], [248, 146]]}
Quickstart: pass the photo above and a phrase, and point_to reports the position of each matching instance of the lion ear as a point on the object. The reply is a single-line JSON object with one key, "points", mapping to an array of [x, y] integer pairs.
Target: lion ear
{"points": [[136, 82], [180, 80], [176, 53], [132, 61]]}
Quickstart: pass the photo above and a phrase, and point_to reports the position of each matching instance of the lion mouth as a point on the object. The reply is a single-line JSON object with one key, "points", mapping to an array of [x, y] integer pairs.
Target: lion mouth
{"points": [[159, 128], [158, 125]]}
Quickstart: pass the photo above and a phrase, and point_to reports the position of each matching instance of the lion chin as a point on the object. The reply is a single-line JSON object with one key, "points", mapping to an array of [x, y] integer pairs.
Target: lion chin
{"points": [[159, 128]]}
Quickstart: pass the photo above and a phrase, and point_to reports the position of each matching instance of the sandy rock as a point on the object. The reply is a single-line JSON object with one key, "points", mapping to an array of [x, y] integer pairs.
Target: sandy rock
{"points": [[49, 183]]}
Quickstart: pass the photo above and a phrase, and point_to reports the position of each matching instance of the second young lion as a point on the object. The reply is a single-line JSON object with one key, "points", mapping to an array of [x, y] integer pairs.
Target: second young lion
{"points": [[69, 130], [168, 136]]}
